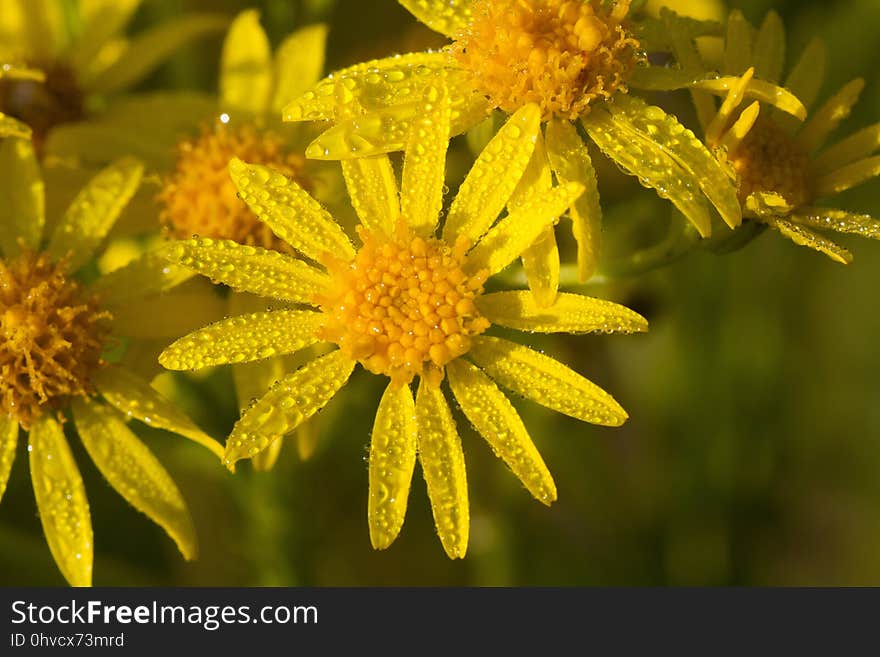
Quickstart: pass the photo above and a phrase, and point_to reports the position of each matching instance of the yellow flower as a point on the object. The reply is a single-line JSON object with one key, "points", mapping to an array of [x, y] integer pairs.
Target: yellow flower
{"points": [[57, 335], [408, 303], [574, 60], [81, 65]]}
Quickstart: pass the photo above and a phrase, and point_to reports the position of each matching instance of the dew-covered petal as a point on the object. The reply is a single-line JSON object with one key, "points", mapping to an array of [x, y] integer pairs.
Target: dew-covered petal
{"points": [[826, 119], [848, 176], [771, 94], [570, 313], [93, 212], [571, 162], [249, 268], [839, 221], [738, 44], [134, 472], [494, 176], [803, 236], [442, 461], [290, 211], [246, 65], [299, 62], [392, 459], [495, 418], [135, 398], [518, 230], [424, 162], [290, 402], [769, 54], [8, 442], [858, 145], [373, 191], [243, 339], [545, 381], [22, 196], [61, 501], [541, 265], [444, 16]]}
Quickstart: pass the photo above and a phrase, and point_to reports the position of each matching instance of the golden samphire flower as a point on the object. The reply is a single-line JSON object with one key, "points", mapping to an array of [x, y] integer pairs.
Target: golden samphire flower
{"points": [[573, 60], [55, 334], [408, 303]]}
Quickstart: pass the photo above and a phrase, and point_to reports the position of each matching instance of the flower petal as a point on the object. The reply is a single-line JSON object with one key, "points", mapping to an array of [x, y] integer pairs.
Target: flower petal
{"points": [[545, 381], [858, 145], [541, 265], [769, 54], [517, 231], [442, 464], [249, 268], [10, 127], [840, 221], [102, 22], [244, 339], [848, 177], [145, 276], [299, 63], [61, 500], [292, 401], [571, 313], [134, 472], [444, 16], [373, 192], [135, 398], [494, 176], [805, 78], [170, 315], [22, 200], [805, 237], [771, 94], [246, 65], [734, 136], [824, 121], [93, 212], [495, 418], [289, 210], [392, 459], [738, 44], [719, 125], [8, 442]]}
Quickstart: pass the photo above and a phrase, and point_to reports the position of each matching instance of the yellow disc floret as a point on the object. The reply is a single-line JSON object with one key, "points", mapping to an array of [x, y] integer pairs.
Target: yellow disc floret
{"points": [[199, 197], [560, 54], [768, 160], [404, 306], [51, 337]]}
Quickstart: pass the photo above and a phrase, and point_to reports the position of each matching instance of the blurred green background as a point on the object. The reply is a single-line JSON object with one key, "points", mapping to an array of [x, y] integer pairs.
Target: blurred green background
{"points": [[752, 456]]}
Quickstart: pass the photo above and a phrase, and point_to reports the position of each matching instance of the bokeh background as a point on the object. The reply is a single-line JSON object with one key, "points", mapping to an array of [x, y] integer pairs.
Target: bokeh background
{"points": [[752, 456]]}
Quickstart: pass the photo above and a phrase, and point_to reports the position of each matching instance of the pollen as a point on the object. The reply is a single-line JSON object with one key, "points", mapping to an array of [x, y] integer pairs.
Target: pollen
{"points": [[51, 337], [199, 197], [560, 54], [404, 306], [768, 160]]}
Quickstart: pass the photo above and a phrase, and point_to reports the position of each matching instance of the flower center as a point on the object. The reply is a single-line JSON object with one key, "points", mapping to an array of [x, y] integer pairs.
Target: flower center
{"points": [[768, 160], [51, 337], [560, 54], [43, 105], [404, 306], [199, 197]]}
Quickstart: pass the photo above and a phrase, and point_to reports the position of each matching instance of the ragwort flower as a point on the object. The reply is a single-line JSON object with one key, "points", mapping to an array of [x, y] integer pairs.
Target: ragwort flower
{"points": [[57, 335], [572, 59], [408, 303]]}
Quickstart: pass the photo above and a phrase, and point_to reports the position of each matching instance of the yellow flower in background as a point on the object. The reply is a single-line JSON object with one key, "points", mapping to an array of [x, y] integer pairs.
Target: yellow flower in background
{"points": [[84, 53], [574, 61], [58, 336], [408, 303]]}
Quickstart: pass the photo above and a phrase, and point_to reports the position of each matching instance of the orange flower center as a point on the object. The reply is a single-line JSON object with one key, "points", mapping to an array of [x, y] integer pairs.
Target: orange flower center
{"points": [[51, 337], [404, 306], [199, 197], [560, 54]]}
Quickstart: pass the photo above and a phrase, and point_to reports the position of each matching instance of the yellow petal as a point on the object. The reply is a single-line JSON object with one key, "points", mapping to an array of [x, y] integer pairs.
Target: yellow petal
{"points": [[290, 402], [10, 127], [824, 121], [150, 274], [771, 94], [266, 460], [571, 313], [8, 442], [102, 21], [93, 212], [22, 200], [444, 16], [494, 176], [152, 47], [732, 101], [805, 237], [44, 26], [492, 414], [517, 231], [805, 78], [545, 381], [734, 136], [738, 44], [541, 266], [135, 473], [246, 65], [299, 63], [769, 55], [424, 162], [571, 163], [373, 192], [840, 221], [859, 145], [249, 268], [243, 339], [61, 500], [848, 177], [442, 461], [135, 398], [289, 210], [392, 459]]}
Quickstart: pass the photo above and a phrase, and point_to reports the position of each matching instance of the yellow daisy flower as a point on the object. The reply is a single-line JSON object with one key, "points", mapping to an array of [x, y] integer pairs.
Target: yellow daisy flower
{"points": [[82, 49], [57, 335], [573, 60], [408, 303]]}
